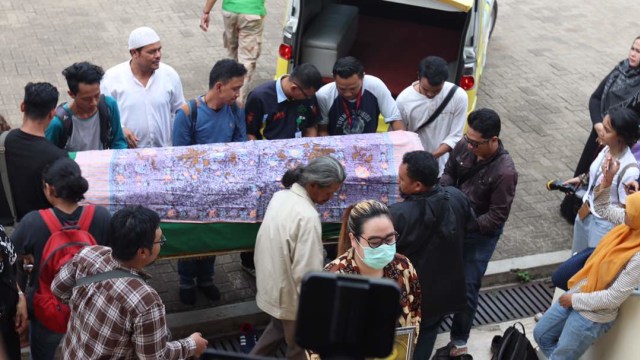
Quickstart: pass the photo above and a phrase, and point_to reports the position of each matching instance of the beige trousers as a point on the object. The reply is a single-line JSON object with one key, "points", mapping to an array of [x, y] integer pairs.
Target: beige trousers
{"points": [[242, 38]]}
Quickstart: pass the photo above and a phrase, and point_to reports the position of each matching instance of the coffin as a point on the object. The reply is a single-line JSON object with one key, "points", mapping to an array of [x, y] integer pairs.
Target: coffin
{"points": [[212, 198]]}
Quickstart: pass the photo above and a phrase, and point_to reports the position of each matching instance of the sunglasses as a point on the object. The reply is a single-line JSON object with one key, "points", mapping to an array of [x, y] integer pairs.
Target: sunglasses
{"points": [[475, 144]]}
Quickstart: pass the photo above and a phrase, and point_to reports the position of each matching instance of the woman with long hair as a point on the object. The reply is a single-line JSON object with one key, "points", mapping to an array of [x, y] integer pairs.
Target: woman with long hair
{"points": [[368, 246]]}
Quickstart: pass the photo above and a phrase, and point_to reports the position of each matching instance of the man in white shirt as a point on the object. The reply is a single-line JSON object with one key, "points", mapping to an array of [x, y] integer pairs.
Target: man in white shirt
{"points": [[418, 102], [148, 92], [354, 101]]}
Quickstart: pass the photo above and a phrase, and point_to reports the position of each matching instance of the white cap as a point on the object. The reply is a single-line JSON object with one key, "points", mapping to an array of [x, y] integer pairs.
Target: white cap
{"points": [[142, 36]]}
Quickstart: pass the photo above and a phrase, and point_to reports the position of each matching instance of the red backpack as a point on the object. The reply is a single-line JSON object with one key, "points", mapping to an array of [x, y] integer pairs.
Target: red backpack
{"points": [[65, 241]]}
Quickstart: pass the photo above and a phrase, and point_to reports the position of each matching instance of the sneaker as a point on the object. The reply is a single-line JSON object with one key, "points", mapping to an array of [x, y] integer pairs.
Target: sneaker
{"points": [[250, 271], [248, 338], [211, 292], [188, 296]]}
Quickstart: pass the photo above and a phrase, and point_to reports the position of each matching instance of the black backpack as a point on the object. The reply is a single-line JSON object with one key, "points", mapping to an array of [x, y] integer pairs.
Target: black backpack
{"points": [[513, 345], [106, 131]]}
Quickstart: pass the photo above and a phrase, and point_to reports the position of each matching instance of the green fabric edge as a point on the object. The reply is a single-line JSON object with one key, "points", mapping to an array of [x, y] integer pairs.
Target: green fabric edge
{"points": [[192, 239]]}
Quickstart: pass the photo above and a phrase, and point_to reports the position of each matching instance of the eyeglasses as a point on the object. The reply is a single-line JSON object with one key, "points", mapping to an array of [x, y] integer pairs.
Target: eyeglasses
{"points": [[475, 144], [162, 240], [307, 97], [376, 241]]}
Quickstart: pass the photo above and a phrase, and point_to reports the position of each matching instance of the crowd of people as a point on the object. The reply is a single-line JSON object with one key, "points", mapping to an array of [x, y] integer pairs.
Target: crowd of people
{"points": [[435, 244], [461, 201]]}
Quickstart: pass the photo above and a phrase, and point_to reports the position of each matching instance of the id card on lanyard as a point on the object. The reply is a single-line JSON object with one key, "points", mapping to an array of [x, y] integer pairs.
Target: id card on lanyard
{"points": [[299, 121], [347, 109]]}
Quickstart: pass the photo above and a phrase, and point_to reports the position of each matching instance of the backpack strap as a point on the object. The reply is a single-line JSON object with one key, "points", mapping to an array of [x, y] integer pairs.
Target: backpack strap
{"points": [[86, 217], [107, 275], [440, 108], [193, 114], [5, 177], [64, 114], [51, 220], [106, 131]]}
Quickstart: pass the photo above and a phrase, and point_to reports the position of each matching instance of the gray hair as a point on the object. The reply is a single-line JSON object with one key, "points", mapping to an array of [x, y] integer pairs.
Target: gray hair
{"points": [[324, 171]]}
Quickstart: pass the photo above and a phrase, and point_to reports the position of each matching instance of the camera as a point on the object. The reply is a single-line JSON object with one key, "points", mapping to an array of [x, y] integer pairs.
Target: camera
{"points": [[558, 185]]}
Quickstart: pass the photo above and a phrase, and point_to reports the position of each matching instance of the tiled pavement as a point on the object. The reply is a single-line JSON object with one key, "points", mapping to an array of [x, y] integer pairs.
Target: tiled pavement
{"points": [[545, 59]]}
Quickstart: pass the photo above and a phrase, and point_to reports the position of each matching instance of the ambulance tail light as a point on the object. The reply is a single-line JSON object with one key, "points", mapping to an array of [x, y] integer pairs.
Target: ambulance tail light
{"points": [[285, 51], [467, 82]]}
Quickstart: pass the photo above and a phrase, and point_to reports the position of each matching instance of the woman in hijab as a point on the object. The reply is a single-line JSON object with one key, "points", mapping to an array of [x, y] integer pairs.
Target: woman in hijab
{"points": [[617, 89], [590, 307]]}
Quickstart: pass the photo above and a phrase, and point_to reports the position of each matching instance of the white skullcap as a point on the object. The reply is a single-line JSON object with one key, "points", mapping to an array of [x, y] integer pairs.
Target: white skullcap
{"points": [[142, 36]]}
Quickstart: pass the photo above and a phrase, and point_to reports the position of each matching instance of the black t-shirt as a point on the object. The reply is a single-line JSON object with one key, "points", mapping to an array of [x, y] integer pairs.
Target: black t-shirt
{"points": [[27, 155], [359, 118], [280, 119], [32, 233]]}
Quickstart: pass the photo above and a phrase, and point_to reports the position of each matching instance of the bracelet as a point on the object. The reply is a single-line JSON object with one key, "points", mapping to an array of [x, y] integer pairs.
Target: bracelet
{"points": [[20, 293]]}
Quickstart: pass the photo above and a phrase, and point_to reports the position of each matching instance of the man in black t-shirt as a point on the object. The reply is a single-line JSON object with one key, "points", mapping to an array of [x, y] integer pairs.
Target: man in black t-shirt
{"points": [[287, 107], [354, 101], [28, 151]]}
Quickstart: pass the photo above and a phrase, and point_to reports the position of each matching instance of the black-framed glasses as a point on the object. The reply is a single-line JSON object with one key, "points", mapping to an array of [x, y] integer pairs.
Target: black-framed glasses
{"points": [[162, 240], [307, 97], [475, 144], [376, 241]]}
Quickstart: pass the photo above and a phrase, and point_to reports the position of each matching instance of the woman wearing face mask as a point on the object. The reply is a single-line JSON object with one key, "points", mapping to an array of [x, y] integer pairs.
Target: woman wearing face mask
{"points": [[368, 247]]}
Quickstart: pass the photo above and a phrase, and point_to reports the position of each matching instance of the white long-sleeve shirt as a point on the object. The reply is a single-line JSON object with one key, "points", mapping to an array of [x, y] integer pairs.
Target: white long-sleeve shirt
{"points": [[602, 306]]}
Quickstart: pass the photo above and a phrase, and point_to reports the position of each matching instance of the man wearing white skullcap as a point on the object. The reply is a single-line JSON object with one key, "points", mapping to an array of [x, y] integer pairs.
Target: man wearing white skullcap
{"points": [[148, 91]]}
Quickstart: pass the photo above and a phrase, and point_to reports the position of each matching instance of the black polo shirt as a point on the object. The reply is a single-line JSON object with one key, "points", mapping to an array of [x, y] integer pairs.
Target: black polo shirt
{"points": [[268, 107]]}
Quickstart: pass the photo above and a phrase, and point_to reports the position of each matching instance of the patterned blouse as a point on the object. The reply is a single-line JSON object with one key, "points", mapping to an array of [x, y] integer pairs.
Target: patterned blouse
{"points": [[399, 269]]}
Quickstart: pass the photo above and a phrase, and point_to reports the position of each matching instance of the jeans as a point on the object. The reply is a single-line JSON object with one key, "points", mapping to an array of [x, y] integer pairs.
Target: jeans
{"points": [[427, 338], [43, 341], [567, 269], [477, 252], [588, 232], [200, 270], [565, 334]]}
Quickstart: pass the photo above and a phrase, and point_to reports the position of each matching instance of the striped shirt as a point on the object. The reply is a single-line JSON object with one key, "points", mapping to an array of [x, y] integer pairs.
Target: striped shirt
{"points": [[114, 319], [602, 306]]}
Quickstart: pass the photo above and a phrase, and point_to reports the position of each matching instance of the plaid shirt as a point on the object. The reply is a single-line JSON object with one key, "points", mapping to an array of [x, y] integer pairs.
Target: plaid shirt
{"points": [[113, 319]]}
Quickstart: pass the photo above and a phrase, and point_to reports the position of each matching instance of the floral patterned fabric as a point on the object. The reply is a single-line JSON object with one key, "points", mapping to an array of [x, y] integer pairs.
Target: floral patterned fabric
{"points": [[233, 182], [400, 270]]}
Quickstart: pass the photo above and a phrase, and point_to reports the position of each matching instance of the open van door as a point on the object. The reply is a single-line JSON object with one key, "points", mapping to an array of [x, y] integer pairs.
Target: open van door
{"points": [[389, 37]]}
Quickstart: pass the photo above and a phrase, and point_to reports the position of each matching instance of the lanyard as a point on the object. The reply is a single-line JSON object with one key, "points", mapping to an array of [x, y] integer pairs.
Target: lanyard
{"points": [[347, 109]]}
